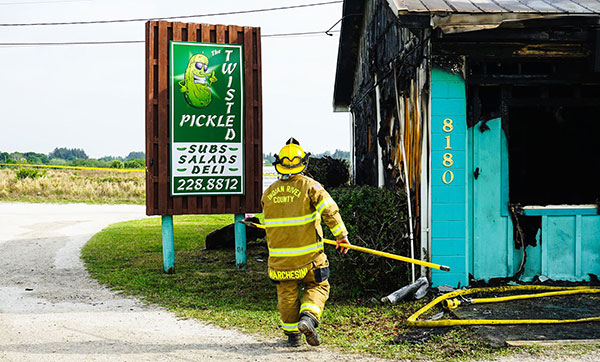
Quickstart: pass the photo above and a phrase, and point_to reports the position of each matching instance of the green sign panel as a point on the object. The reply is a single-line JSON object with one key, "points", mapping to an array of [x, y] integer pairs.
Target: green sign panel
{"points": [[207, 119]]}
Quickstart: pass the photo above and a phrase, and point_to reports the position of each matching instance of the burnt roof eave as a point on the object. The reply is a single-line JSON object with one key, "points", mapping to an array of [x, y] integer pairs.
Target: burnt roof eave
{"points": [[349, 47], [347, 53], [448, 23]]}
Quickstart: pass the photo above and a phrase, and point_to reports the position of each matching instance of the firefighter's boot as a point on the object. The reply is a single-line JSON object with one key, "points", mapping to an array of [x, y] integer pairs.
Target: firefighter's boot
{"points": [[308, 325], [295, 339]]}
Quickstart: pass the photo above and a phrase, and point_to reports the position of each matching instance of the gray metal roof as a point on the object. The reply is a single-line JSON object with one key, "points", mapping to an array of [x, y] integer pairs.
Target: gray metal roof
{"points": [[497, 6], [453, 16]]}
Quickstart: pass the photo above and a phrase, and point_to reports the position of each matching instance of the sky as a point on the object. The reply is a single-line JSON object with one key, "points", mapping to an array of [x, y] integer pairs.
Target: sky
{"points": [[92, 96]]}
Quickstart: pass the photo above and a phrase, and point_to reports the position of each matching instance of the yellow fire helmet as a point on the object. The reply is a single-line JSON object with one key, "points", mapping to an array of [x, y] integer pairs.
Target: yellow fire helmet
{"points": [[291, 159]]}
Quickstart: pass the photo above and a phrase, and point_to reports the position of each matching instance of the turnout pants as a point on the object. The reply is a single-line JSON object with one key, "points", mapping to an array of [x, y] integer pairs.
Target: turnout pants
{"points": [[316, 291]]}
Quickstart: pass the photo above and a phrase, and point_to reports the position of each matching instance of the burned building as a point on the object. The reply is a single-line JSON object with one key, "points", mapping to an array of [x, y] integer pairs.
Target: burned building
{"points": [[487, 112]]}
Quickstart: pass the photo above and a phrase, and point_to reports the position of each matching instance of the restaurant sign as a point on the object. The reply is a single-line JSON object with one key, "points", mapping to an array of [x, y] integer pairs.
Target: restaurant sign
{"points": [[207, 119]]}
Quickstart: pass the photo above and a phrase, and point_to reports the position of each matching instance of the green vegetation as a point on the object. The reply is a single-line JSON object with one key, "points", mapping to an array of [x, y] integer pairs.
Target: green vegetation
{"points": [[63, 186], [68, 154], [31, 173], [207, 286], [74, 157], [375, 218], [269, 158], [330, 172]]}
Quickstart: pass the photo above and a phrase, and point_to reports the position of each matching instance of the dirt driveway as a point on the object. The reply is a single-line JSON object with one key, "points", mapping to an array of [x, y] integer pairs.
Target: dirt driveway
{"points": [[51, 310]]}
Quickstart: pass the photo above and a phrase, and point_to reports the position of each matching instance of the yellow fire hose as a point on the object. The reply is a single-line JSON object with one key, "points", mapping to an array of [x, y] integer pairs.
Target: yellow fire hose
{"points": [[370, 251], [450, 301]]}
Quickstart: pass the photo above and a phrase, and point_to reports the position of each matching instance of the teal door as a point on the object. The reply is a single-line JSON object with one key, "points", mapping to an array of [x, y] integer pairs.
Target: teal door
{"points": [[491, 226]]}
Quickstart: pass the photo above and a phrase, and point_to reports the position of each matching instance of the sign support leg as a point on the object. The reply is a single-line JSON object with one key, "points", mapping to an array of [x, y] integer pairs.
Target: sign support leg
{"points": [[240, 242], [168, 244]]}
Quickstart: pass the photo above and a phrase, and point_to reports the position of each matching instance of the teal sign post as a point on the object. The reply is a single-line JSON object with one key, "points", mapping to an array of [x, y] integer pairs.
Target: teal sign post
{"points": [[207, 119]]}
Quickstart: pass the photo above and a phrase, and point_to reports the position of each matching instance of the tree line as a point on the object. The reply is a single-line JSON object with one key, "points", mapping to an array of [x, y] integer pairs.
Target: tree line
{"points": [[269, 158], [62, 156]]}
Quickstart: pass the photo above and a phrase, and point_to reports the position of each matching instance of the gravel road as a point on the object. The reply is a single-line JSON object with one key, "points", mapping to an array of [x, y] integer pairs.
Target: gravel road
{"points": [[51, 310]]}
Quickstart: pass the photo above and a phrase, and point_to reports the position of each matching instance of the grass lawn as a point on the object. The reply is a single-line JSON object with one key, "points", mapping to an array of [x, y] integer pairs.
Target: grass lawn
{"points": [[207, 286]]}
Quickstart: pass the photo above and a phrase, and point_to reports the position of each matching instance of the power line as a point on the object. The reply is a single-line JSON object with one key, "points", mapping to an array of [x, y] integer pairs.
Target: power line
{"points": [[43, 2], [301, 34], [173, 17], [74, 43], [307, 33]]}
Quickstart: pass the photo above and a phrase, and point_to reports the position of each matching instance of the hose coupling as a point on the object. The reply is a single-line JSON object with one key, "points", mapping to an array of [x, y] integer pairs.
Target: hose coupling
{"points": [[450, 304], [454, 303]]}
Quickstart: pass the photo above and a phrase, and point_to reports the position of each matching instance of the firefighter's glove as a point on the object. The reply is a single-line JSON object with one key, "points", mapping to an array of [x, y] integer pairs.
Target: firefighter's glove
{"points": [[339, 244]]}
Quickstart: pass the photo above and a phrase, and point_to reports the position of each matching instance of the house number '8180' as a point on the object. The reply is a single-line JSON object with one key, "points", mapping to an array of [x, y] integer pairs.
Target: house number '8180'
{"points": [[447, 161]]}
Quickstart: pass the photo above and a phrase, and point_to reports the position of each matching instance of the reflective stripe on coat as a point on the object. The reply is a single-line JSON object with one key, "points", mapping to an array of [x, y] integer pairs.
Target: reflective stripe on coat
{"points": [[293, 210]]}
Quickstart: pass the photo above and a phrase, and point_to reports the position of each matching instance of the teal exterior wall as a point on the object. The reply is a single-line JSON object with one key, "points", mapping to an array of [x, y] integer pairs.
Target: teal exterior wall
{"points": [[448, 178], [471, 228]]}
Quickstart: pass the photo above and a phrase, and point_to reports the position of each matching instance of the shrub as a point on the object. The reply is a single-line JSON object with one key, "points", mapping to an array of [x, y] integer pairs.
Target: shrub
{"points": [[116, 164], [331, 172], [135, 163], [375, 219], [31, 173]]}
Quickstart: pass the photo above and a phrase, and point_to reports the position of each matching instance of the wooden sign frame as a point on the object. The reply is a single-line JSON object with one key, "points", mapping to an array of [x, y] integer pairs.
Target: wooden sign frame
{"points": [[159, 34]]}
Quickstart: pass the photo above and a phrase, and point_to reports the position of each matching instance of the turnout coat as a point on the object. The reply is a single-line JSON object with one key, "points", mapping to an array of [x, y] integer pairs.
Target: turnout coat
{"points": [[293, 209]]}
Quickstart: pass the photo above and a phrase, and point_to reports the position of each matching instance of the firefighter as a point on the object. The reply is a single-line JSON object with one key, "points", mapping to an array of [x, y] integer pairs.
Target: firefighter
{"points": [[293, 207]]}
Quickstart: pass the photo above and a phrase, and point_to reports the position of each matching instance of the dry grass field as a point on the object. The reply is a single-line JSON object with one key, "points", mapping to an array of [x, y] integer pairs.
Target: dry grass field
{"points": [[65, 185]]}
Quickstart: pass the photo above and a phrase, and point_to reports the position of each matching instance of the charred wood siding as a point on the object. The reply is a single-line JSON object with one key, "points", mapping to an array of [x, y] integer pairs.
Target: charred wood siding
{"points": [[158, 199], [399, 58], [365, 147]]}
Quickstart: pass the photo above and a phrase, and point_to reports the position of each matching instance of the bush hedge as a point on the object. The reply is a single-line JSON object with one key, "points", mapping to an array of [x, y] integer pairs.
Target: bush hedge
{"points": [[376, 219], [330, 172]]}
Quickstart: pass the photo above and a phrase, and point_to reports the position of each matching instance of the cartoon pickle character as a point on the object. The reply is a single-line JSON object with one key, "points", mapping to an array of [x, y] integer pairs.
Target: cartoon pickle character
{"points": [[197, 82]]}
